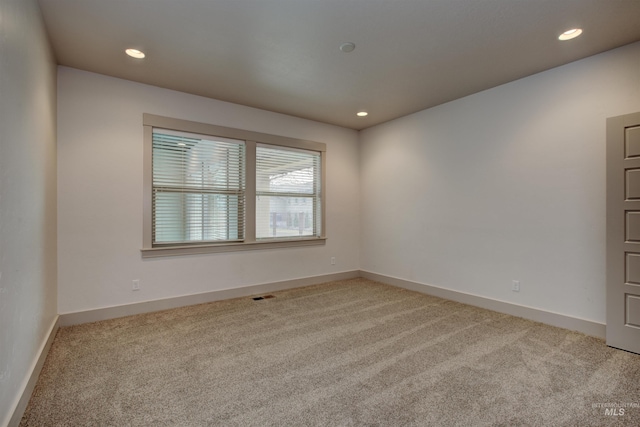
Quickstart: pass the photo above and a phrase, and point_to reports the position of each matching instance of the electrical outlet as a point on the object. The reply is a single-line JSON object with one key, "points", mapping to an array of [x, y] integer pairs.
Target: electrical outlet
{"points": [[333, 260], [136, 285], [515, 286]]}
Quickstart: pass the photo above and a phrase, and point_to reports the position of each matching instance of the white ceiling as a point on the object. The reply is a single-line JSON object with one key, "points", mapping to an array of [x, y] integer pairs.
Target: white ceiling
{"points": [[284, 56]]}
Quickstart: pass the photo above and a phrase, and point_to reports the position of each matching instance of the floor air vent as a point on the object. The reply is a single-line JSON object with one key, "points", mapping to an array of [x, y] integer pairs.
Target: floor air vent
{"points": [[264, 297]]}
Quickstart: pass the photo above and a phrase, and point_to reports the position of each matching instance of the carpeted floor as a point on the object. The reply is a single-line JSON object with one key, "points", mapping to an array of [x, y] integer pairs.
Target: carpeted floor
{"points": [[349, 353]]}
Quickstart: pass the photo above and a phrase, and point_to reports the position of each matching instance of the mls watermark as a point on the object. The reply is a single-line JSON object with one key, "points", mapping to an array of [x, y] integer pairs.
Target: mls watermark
{"points": [[616, 409]]}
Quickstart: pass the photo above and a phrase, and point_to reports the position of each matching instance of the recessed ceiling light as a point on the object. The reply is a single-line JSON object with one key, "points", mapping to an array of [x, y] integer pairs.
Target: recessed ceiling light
{"points": [[362, 114], [135, 53], [347, 47], [570, 34]]}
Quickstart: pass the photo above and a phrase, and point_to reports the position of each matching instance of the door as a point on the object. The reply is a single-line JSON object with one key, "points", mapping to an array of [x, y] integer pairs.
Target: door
{"points": [[623, 232]]}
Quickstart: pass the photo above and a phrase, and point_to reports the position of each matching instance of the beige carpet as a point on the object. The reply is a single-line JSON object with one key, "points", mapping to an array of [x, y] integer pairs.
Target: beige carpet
{"points": [[350, 353]]}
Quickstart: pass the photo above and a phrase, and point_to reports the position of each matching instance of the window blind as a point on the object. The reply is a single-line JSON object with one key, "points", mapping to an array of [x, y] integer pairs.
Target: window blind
{"points": [[288, 202], [198, 192]]}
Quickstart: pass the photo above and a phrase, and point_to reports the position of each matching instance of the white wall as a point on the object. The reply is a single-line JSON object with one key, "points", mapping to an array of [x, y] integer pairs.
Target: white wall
{"points": [[27, 195], [100, 197], [505, 184]]}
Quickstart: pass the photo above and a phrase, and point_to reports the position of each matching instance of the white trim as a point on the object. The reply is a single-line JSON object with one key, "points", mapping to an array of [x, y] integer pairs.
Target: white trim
{"points": [[30, 381], [587, 327], [231, 247], [98, 314], [171, 123]]}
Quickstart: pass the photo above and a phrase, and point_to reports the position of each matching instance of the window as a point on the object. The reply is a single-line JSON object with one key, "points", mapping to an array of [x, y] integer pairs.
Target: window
{"points": [[198, 188], [287, 192], [213, 189]]}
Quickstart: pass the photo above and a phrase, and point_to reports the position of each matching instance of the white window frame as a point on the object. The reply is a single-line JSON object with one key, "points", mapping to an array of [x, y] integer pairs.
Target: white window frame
{"points": [[151, 121]]}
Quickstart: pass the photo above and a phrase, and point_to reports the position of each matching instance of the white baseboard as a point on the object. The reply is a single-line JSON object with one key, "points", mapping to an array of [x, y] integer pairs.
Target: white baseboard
{"points": [[587, 327], [76, 318], [32, 378]]}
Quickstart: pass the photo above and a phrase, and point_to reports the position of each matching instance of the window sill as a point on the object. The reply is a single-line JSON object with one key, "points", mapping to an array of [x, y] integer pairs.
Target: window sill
{"points": [[229, 247]]}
